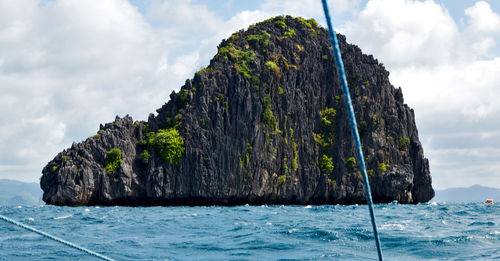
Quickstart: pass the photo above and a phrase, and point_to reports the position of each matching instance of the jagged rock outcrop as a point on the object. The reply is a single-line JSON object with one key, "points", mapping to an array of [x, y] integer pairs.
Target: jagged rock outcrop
{"points": [[263, 123]]}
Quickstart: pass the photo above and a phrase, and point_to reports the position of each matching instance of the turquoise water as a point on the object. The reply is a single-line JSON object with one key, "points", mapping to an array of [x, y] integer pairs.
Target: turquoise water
{"points": [[408, 232]]}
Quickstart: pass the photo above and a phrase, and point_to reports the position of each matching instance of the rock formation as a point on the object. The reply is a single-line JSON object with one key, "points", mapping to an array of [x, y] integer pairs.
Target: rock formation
{"points": [[264, 123]]}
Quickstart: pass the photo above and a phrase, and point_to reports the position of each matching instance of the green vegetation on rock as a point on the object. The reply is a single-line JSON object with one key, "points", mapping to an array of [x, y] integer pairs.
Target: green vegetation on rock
{"points": [[280, 22], [290, 33], [403, 143], [311, 23], [262, 38], [144, 156], [270, 65], [171, 122], [374, 119], [113, 160], [328, 119], [242, 59], [204, 70], [246, 157], [350, 163], [318, 138], [167, 143], [382, 167], [326, 165], [281, 179], [182, 98], [295, 162], [265, 22], [242, 162], [268, 115]]}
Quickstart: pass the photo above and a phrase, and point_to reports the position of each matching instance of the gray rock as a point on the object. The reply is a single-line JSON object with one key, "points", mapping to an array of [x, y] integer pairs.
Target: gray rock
{"points": [[233, 153]]}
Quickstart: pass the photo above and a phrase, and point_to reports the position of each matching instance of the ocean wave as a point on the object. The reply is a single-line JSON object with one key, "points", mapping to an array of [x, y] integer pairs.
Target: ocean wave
{"points": [[63, 217], [407, 232], [479, 223], [392, 227]]}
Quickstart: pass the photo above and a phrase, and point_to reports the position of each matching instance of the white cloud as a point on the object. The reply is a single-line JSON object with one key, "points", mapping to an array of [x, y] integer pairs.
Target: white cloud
{"points": [[446, 77], [464, 167], [310, 8], [66, 66], [465, 90], [398, 34], [482, 18]]}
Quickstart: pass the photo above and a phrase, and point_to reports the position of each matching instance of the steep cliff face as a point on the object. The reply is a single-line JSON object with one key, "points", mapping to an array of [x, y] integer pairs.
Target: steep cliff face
{"points": [[263, 123]]}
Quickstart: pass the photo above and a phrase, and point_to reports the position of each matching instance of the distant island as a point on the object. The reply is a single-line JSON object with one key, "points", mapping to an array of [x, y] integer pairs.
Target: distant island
{"points": [[263, 123], [474, 193], [17, 193]]}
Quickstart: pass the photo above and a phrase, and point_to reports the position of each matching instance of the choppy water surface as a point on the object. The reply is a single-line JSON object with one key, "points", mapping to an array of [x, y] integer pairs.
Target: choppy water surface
{"points": [[408, 232]]}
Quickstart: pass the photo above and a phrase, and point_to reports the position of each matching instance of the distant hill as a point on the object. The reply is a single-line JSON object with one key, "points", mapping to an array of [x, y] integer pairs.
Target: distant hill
{"points": [[474, 193], [13, 192]]}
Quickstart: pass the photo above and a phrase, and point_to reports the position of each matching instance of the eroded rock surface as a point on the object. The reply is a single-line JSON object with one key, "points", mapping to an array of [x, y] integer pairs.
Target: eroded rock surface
{"points": [[264, 123]]}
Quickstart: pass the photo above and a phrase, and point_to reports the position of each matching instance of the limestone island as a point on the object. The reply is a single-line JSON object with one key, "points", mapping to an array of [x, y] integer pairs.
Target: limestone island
{"points": [[263, 123]]}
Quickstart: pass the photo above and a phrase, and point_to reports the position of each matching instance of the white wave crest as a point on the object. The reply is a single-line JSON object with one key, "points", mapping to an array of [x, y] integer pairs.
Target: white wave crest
{"points": [[392, 227], [63, 217]]}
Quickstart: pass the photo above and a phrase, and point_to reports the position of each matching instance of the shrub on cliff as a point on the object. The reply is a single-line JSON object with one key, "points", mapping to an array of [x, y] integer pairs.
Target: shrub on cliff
{"points": [[242, 60], [182, 98], [350, 163], [144, 156], [382, 167], [170, 145], [262, 38], [113, 160], [326, 165], [403, 143], [328, 120]]}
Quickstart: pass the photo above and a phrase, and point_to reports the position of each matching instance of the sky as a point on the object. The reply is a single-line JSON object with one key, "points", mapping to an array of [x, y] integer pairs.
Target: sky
{"points": [[68, 66]]}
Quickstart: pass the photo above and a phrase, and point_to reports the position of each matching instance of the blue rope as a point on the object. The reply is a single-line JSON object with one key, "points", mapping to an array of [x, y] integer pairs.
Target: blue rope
{"points": [[352, 122], [32, 229]]}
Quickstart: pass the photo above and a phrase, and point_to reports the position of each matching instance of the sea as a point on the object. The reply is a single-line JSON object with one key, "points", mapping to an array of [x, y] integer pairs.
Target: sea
{"points": [[430, 231]]}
